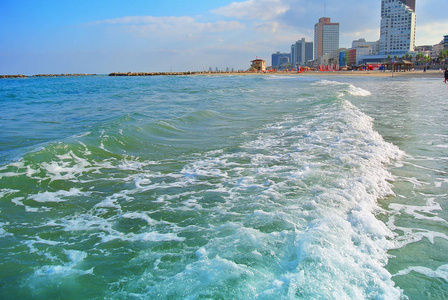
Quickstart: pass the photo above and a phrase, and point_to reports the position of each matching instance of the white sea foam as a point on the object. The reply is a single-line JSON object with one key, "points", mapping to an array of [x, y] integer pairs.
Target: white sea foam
{"points": [[11, 174], [19, 201], [143, 216], [3, 232], [7, 192], [341, 161], [59, 196], [357, 91], [75, 257], [420, 212], [37, 240], [326, 82], [440, 272], [69, 167]]}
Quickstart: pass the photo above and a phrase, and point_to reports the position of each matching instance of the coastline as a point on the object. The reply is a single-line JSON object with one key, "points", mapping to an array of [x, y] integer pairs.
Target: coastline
{"points": [[375, 73], [418, 74]]}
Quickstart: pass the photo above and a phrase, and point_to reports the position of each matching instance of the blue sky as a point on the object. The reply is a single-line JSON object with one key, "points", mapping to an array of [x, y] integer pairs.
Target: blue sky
{"points": [[102, 36]]}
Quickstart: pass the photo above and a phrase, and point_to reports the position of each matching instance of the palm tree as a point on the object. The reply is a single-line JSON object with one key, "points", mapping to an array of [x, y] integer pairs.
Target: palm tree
{"points": [[419, 56]]}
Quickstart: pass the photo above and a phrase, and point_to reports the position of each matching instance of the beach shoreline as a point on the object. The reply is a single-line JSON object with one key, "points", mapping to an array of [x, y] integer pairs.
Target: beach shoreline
{"points": [[375, 73], [419, 74]]}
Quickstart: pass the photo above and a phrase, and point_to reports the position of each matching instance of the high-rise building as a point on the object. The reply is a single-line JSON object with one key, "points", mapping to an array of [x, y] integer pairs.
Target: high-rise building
{"points": [[326, 38], [301, 52], [398, 26], [445, 42], [280, 59]]}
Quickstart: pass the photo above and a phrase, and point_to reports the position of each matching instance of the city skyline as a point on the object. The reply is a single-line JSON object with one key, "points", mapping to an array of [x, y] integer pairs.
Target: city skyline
{"points": [[109, 36]]}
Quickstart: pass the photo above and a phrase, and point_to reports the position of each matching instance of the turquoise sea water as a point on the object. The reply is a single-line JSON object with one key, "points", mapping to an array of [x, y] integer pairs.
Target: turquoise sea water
{"points": [[223, 187]]}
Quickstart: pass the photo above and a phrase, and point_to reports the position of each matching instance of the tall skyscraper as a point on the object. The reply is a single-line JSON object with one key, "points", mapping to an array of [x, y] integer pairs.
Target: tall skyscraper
{"points": [[301, 52], [398, 26], [326, 38]]}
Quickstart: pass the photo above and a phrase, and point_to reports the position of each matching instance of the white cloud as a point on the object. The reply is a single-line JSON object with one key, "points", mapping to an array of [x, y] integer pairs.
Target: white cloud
{"points": [[431, 33], [166, 26], [253, 9], [236, 33], [269, 27]]}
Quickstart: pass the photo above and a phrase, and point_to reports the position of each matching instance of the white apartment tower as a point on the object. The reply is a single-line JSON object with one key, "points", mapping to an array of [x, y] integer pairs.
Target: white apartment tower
{"points": [[398, 25]]}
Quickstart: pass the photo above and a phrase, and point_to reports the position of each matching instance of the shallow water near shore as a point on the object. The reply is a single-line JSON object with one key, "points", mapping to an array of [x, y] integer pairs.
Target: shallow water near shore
{"points": [[224, 187]]}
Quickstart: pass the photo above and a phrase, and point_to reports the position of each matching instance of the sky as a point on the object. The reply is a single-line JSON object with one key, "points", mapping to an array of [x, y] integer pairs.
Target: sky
{"points": [[103, 36]]}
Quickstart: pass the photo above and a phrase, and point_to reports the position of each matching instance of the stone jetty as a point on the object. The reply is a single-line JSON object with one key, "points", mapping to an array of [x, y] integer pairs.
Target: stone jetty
{"points": [[152, 73], [13, 76], [45, 75], [62, 75]]}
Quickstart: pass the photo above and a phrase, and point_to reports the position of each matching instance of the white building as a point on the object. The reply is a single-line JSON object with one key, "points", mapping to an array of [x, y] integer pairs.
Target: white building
{"points": [[374, 46], [398, 26]]}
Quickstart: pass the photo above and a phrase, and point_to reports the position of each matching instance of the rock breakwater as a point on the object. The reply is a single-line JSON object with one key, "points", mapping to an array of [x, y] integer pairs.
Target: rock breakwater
{"points": [[62, 75], [13, 76], [151, 73]]}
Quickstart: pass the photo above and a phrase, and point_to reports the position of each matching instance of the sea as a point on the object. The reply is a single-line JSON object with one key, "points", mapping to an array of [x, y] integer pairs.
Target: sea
{"points": [[224, 187]]}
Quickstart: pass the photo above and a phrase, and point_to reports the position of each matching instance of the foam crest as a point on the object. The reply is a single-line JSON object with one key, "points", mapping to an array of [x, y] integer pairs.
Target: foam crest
{"points": [[357, 91], [206, 168], [75, 257], [427, 212], [69, 167], [59, 196], [336, 162], [3, 232], [441, 272], [326, 82]]}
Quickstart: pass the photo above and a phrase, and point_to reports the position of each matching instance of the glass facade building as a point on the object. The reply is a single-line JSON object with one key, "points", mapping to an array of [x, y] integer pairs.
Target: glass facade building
{"points": [[279, 59], [301, 52], [326, 38]]}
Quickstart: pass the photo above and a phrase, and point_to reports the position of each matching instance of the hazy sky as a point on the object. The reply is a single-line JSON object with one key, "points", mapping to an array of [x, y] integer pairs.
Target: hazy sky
{"points": [[102, 36]]}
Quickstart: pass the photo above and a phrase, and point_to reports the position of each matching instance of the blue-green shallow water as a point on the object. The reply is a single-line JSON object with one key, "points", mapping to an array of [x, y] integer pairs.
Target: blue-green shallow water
{"points": [[232, 187]]}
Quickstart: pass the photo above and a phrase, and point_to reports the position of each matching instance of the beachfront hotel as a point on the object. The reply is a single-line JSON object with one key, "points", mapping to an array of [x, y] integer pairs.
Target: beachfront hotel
{"points": [[398, 26], [326, 38]]}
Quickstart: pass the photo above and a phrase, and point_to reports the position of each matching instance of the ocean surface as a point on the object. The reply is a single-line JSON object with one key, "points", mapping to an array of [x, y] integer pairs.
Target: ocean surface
{"points": [[223, 187]]}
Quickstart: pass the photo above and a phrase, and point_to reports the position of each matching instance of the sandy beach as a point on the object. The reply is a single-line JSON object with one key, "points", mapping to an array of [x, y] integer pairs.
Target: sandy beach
{"points": [[419, 73]]}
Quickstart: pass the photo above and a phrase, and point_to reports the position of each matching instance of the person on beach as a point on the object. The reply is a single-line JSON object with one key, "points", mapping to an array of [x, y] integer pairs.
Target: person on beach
{"points": [[446, 74]]}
